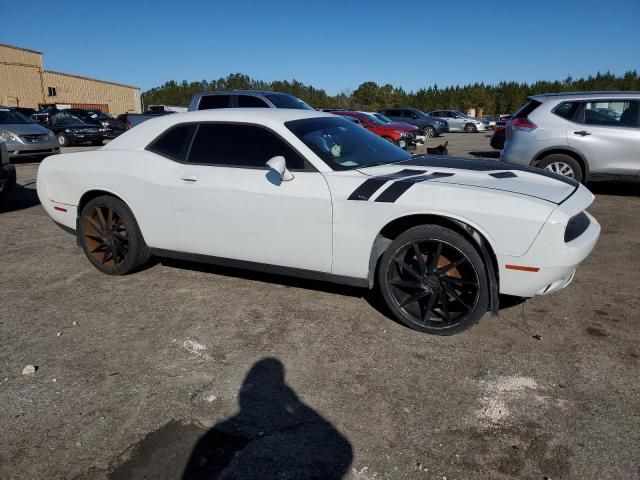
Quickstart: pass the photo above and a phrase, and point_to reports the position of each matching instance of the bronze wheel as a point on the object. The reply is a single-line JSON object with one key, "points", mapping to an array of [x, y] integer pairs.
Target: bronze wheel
{"points": [[110, 236]]}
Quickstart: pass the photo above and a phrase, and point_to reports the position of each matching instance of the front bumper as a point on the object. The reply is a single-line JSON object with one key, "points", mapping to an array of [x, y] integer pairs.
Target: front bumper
{"points": [[84, 137], [555, 259], [49, 147]]}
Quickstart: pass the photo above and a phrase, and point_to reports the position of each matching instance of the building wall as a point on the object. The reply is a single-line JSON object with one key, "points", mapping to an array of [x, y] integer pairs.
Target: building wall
{"points": [[20, 77], [24, 83], [72, 89]]}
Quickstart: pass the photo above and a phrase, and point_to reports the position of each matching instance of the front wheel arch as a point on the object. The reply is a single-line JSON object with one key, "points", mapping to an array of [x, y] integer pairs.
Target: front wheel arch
{"points": [[397, 226], [564, 151]]}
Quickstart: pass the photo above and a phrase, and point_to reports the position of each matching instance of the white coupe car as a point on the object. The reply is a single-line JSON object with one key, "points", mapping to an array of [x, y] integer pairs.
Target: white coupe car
{"points": [[313, 195]]}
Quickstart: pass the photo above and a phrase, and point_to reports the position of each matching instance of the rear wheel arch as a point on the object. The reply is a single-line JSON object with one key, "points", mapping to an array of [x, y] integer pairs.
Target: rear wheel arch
{"points": [[399, 225], [564, 151], [91, 194]]}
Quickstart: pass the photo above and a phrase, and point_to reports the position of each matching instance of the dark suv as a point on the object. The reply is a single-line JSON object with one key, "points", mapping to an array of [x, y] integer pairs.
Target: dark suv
{"points": [[429, 126], [245, 99]]}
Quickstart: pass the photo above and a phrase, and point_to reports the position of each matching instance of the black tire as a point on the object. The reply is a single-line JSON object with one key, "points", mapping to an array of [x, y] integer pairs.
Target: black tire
{"points": [[63, 140], [442, 291], [110, 236], [563, 165], [470, 128], [430, 132]]}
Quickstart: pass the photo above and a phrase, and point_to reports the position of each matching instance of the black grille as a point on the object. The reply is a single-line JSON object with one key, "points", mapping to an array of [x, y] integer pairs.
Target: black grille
{"points": [[576, 227], [35, 138]]}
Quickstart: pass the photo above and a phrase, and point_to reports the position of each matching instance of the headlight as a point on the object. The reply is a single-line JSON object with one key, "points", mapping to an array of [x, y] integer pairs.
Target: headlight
{"points": [[401, 133], [67, 130], [9, 137], [102, 129]]}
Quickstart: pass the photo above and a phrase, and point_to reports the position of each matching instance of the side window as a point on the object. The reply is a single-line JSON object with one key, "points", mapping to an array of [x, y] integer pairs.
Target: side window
{"points": [[174, 143], [249, 101], [394, 113], [245, 146], [214, 101], [566, 110], [612, 113]]}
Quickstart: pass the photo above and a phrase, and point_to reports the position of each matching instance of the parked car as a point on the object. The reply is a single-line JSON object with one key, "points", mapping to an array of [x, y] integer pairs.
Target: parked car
{"points": [[459, 122], [396, 133], [71, 130], [130, 120], [429, 126], [23, 137], [7, 175], [113, 127], [27, 112], [245, 99], [499, 135], [568, 133], [314, 195], [420, 137]]}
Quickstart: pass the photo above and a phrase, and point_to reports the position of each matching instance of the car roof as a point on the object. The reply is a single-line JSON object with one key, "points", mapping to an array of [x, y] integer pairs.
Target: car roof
{"points": [[240, 92], [585, 95], [139, 137]]}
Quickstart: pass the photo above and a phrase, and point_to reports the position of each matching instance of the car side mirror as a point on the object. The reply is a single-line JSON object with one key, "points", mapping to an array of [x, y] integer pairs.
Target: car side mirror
{"points": [[279, 165]]}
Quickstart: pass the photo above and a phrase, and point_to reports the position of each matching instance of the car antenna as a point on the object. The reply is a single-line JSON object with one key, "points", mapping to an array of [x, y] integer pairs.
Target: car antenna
{"points": [[522, 329]]}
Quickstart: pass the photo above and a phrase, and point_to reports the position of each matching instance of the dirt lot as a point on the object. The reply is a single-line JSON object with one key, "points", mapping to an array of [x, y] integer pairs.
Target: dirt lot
{"points": [[181, 370]]}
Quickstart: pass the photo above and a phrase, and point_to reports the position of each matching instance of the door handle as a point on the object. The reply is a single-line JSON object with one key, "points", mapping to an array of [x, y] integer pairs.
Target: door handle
{"points": [[189, 178], [582, 133]]}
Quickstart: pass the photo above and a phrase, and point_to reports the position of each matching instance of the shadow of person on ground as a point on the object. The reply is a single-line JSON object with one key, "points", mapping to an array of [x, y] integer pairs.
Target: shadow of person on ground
{"points": [[274, 435], [19, 199]]}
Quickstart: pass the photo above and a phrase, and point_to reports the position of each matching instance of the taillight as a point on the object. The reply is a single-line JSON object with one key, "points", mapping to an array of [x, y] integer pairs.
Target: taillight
{"points": [[523, 124]]}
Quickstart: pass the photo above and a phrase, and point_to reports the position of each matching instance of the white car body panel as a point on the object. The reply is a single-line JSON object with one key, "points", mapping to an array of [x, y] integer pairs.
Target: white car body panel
{"points": [[313, 222]]}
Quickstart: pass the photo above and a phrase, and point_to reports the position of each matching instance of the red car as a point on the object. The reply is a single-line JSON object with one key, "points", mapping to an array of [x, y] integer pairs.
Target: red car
{"points": [[401, 134]]}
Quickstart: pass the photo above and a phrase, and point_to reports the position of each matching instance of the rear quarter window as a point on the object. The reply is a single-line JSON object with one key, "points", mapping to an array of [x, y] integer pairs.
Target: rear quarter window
{"points": [[174, 142], [526, 110], [209, 102]]}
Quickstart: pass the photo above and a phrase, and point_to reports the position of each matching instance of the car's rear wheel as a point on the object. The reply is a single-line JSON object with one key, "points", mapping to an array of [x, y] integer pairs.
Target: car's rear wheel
{"points": [[563, 165], [433, 280], [63, 141], [429, 132], [110, 236], [470, 128]]}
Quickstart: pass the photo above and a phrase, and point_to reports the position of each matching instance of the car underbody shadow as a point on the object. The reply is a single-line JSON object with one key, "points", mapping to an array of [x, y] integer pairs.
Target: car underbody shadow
{"points": [[20, 199], [623, 188]]}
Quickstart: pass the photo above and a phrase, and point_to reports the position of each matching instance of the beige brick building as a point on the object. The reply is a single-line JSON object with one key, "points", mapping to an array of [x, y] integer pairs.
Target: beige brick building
{"points": [[24, 83]]}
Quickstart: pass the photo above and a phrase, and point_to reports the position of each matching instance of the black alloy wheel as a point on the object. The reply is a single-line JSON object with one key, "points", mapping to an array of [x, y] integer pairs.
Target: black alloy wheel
{"points": [[434, 280]]}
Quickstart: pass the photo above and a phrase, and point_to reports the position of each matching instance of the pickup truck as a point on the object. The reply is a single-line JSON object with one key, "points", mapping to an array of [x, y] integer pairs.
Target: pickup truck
{"points": [[133, 119]]}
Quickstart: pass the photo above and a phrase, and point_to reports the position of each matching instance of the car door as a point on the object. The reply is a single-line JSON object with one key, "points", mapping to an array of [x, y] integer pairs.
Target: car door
{"points": [[610, 143], [456, 121], [230, 205]]}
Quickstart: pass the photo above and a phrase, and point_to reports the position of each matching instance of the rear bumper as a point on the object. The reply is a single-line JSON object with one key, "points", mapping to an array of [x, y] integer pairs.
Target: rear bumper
{"points": [[555, 260]]}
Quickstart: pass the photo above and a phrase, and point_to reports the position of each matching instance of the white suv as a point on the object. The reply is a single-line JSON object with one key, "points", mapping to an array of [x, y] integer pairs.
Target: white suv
{"points": [[586, 136]]}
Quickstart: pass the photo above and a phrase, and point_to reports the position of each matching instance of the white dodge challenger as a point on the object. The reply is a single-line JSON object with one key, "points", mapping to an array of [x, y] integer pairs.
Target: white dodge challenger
{"points": [[312, 195]]}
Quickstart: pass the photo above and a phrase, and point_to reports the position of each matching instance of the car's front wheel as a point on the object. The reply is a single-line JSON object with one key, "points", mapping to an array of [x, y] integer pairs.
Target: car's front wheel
{"points": [[429, 132], [563, 165], [470, 128], [110, 236], [63, 140], [433, 280]]}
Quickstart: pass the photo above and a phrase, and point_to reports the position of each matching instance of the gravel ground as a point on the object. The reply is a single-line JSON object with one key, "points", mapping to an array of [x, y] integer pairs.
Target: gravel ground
{"points": [[189, 370]]}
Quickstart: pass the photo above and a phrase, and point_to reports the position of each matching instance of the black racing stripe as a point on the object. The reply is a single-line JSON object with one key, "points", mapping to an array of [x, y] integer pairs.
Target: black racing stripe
{"points": [[368, 188], [396, 189], [435, 161], [372, 185]]}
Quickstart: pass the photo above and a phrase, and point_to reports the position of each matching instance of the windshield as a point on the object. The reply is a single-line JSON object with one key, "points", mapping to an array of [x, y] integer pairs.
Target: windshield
{"points": [[343, 145], [383, 118], [288, 101], [65, 117], [372, 118], [9, 117]]}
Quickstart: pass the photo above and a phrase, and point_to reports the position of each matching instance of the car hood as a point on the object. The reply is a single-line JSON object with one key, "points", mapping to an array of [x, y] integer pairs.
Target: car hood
{"points": [[24, 128], [492, 175], [405, 127]]}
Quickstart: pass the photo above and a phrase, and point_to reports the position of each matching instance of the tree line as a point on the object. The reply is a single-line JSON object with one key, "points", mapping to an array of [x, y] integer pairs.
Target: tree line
{"points": [[504, 97]]}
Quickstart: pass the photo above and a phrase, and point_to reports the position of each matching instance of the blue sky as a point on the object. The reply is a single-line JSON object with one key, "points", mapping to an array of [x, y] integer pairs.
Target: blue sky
{"points": [[335, 45]]}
